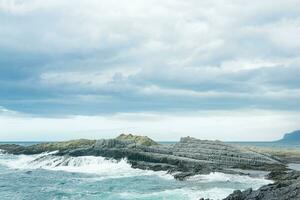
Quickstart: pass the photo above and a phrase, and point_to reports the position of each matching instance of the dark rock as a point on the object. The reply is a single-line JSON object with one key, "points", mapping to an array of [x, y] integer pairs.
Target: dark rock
{"points": [[287, 187], [12, 148], [183, 175], [276, 175], [47, 147], [236, 195]]}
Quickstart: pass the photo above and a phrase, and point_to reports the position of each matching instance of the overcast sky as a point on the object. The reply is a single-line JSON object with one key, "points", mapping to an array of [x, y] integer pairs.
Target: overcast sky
{"points": [[211, 69]]}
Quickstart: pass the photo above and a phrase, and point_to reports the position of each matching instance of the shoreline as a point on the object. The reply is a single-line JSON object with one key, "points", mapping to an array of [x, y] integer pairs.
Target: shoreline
{"points": [[184, 159]]}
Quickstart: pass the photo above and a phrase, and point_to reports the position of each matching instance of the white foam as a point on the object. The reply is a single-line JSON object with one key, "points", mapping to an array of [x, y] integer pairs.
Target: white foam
{"points": [[255, 183], [203, 186], [206, 186], [294, 166], [182, 193], [106, 168], [2, 152], [213, 193]]}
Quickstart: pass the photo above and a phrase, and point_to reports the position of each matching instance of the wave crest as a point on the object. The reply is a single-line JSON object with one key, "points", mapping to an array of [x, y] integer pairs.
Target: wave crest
{"points": [[106, 168]]}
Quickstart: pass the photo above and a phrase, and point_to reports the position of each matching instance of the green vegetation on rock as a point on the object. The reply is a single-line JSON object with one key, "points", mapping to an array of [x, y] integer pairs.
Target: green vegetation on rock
{"points": [[67, 145], [141, 140]]}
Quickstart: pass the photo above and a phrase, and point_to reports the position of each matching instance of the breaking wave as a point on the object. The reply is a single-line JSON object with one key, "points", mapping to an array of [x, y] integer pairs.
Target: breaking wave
{"points": [[106, 168], [216, 177], [213, 185], [183, 193]]}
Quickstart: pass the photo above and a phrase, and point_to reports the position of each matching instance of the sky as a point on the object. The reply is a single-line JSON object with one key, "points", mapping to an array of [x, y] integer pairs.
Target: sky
{"points": [[211, 69]]}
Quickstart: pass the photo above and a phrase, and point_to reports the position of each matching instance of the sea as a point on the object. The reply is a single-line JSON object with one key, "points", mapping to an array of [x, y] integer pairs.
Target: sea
{"points": [[50, 177]]}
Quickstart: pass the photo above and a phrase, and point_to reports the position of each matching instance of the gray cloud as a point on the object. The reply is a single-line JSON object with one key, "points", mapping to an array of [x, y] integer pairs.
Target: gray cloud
{"points": [[108, 56]]}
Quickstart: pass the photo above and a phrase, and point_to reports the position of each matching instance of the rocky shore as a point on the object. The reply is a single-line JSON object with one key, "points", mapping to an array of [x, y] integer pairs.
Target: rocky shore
{"points": [[189, 156], [186, 158], [285, 187]]}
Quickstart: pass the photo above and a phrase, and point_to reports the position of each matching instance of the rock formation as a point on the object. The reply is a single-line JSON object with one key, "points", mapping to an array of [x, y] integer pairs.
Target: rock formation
{"points": [[141, 140], [286, 187], [189, 156], [222, 154]]}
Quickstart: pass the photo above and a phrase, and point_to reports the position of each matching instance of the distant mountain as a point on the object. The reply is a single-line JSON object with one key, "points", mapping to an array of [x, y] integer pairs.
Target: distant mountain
{"points": [[291, 137]]}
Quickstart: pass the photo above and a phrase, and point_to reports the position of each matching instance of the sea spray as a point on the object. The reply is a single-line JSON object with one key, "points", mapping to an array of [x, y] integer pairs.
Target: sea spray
{"points": [[106, 168]]}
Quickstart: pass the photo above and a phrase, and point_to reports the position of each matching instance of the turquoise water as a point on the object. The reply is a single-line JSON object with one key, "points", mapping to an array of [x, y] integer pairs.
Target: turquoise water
{"points": [[50, 177]]}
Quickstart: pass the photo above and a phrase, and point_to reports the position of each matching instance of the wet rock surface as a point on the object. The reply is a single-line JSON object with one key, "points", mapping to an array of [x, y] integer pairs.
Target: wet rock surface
{"points": [[286, 187]]}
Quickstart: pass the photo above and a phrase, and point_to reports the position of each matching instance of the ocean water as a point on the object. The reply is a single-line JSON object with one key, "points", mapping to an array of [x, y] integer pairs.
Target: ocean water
{"points": [[273, 145], [50, 177], [25, 143]]}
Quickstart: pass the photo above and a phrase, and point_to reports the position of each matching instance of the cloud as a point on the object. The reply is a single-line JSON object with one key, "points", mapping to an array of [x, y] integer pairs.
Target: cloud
{"points": [[105, 57]]}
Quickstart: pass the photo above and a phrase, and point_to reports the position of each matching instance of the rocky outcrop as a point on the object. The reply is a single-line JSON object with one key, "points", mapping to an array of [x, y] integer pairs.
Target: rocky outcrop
{"points": [[47, 147], [188, 157], [222, 154], [286, 187], [140, 140]]}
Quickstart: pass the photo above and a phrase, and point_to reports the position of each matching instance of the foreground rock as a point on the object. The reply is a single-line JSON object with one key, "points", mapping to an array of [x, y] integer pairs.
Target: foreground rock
{"points": [[286, 187], [189, 156]]}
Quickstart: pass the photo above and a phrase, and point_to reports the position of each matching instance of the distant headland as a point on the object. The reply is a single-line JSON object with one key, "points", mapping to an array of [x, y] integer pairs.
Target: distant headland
{"points": [[291, 137]]}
